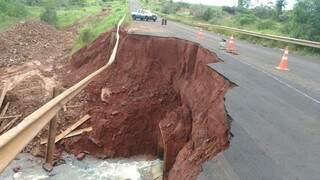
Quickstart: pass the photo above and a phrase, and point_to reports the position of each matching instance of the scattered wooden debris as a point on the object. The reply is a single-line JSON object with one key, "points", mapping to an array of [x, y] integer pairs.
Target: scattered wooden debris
{"points": [[66, 107], [74, 106], [8, 117], [3, 94], [78, 132], [72, 134], [7, 126], [69, 130], [4, 110]]}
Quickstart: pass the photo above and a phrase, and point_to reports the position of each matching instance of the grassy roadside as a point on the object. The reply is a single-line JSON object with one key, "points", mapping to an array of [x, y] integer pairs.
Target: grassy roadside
{"points": [[66, 18], [93, 30], [227, 21]]}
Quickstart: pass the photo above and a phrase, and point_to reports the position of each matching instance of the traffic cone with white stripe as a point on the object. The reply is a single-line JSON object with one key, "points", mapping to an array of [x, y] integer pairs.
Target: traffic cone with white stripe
{"points": [[200, 34], [231, 46], [283, 66]]}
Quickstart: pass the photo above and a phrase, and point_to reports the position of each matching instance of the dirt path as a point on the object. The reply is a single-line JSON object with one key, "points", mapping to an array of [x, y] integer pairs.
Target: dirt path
{"points": [[74, 29]]}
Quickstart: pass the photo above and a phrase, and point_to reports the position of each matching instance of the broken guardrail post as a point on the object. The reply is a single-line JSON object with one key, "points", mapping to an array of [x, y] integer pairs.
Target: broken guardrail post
{"points": [[51, 138]]}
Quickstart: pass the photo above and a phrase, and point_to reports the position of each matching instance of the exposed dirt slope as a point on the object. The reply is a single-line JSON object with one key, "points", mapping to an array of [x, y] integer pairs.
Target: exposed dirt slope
{"points": [[31, 55], [159, 98], [33, 41]]}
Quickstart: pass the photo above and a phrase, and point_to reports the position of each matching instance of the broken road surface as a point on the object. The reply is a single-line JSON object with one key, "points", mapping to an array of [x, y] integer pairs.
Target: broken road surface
{"points": [[276, 114]]}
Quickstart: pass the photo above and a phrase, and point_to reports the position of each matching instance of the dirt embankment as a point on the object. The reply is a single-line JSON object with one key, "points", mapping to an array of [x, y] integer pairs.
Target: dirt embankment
{"points": [[159, 98], [33, 56], [32, 41]]}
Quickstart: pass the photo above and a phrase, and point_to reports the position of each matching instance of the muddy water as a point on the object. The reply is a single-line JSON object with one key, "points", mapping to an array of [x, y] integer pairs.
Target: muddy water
{"points": [[90, 168]]}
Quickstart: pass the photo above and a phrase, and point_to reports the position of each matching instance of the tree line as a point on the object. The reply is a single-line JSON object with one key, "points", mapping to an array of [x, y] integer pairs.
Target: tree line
{"points": [[303, 21]]}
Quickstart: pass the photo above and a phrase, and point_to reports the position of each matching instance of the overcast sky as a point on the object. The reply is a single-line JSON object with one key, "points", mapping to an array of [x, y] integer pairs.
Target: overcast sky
{"points": [[235, 2]]}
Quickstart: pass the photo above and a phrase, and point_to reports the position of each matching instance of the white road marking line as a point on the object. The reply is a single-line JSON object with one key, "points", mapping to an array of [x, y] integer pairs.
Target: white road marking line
{"points": [[282, 82]]}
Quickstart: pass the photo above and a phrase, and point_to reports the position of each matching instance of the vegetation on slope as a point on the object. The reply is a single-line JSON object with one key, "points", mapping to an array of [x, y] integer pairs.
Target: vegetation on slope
{"points": [[60, 13], [63, 13], [93, 30]]}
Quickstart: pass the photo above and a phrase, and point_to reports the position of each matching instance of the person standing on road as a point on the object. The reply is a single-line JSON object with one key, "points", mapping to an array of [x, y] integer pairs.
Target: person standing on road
{"points": [[164, 21]]}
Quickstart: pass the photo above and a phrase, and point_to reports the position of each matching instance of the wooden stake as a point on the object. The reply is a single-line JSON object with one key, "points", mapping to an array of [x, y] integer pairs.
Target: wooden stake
{"points": [[52, 134], [70, 129]]}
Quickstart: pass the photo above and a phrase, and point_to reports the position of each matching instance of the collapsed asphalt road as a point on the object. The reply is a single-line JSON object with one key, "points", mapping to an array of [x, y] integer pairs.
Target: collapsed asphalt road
{"points": [[276, 114], [159, 98]]}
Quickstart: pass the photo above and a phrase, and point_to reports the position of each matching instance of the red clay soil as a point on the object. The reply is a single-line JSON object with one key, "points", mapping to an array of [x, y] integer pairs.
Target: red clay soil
{"points": [[159, 98]]}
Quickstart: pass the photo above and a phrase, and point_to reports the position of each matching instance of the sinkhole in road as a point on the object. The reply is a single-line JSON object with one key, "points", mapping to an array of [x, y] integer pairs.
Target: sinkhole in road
{"points": [[159, 98]]}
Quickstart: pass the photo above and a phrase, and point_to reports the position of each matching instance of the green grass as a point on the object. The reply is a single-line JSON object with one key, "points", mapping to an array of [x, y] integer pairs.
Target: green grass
{"points": [[8, 21], [69, 17], [65, 18], [93, 30]]}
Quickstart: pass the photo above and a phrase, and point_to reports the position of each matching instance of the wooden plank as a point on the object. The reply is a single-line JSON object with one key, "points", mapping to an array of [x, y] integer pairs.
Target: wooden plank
{"points": [[3, 94], [8, 117], [72, 134], [74, 106], [70, 129], [66, 107], [78, 132]]}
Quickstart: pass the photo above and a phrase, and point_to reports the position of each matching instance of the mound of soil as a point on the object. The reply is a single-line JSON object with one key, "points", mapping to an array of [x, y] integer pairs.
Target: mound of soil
{"points": [[33, 41], [31, 55], [159, 98]]}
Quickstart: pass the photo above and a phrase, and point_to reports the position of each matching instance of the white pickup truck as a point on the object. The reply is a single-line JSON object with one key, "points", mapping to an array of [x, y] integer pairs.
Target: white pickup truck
{"points": [[143, 14]]}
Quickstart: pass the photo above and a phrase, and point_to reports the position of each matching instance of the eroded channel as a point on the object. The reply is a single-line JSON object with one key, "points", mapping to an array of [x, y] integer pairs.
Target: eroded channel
{"points": [[159, 98]]}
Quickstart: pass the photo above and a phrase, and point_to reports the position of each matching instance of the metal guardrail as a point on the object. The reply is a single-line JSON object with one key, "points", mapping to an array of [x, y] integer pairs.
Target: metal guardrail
{"points": [[13, 141], [302, 42]]}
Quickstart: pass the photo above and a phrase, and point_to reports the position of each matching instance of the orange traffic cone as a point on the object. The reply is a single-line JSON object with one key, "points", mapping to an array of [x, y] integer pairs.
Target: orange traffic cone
{"points": [[231, 46], [284, 61], [200, 34]]}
